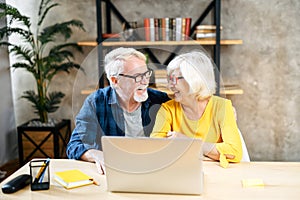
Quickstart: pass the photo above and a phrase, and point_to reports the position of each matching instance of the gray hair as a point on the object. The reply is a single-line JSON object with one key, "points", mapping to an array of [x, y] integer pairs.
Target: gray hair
{"points": [[198, 70], [114, 60]]}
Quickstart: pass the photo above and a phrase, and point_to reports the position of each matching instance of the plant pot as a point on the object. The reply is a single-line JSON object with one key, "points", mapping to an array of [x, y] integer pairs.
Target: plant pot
{"points": [[44, 141]]}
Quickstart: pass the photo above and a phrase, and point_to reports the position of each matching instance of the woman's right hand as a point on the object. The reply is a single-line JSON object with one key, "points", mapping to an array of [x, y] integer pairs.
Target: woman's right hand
{"points": [[174, 134]]}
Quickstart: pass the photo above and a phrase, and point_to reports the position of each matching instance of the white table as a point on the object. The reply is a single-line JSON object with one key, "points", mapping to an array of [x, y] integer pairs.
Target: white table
{"points": [[282, 181]]}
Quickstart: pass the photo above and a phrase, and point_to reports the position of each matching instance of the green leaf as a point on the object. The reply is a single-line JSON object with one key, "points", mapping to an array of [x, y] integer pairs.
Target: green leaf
{"points": [[22, 53], [14, 14], [7, 31], [26, 66], [48, 34], [32, 97], [5, 43], [43, 11], [53, 100], [66, 46]]}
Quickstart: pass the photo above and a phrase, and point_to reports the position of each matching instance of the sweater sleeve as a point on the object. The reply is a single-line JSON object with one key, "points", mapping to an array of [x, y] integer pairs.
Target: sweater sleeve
{"points": [[163, 123], [231, 139]]}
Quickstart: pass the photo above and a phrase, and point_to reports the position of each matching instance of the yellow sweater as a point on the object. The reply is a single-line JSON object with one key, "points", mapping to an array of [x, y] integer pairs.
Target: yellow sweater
{"points": [[216, 125]]}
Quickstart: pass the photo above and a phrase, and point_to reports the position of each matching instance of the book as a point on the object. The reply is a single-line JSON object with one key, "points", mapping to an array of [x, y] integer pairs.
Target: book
{"points": [[147, 28], [205, 35], [183, 29], [167, 28], [205, 31], [173, 29], [159, 26], [156, 27], [72, 178], [152, 29], [163, 29], [211, 27], [188, 22], [178, 28]]}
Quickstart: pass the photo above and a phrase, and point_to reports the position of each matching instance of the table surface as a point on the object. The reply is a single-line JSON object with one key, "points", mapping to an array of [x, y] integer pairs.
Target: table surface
{"points": [[281, 179]]}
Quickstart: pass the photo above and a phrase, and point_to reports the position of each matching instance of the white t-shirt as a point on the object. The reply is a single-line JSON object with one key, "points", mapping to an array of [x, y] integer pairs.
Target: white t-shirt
{"points": [[133, 123]]}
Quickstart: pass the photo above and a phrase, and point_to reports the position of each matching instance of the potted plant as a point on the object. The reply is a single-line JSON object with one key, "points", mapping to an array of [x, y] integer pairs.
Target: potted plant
{"points": [[40, 52]]}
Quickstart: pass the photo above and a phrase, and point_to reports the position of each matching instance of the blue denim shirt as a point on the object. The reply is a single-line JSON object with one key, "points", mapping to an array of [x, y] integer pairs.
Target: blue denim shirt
{"points": [[102, 115]]}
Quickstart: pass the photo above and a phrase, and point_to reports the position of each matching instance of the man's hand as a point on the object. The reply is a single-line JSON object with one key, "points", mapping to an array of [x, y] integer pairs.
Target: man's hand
{"points": [[100, 166], [96, 156]]}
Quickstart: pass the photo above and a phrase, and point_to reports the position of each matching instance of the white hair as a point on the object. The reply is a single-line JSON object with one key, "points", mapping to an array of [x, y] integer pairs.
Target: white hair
{"points": [[114, 60], [198, 70]]}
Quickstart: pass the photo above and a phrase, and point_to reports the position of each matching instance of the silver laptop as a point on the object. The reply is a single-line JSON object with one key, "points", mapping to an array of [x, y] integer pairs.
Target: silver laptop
{"points": [[153, 165]]}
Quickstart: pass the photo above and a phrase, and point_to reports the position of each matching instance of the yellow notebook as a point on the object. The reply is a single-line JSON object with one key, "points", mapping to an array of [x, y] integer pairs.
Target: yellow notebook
{"points": [[72, 178]]}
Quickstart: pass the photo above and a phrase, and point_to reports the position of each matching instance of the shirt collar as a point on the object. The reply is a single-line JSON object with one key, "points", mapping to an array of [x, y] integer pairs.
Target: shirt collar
{"points": [[113, 97]]}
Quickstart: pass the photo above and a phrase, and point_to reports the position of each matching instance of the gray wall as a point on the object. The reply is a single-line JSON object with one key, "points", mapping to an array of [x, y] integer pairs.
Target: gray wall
{"points": [[266, 66]]}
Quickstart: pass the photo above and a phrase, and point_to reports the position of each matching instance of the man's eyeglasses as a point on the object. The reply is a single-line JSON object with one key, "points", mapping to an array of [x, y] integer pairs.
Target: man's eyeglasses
{"points": [[139, 77], [174, 79]]}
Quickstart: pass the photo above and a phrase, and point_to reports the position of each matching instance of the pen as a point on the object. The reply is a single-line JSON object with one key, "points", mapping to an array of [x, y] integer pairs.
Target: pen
{"points": [[95, 182], [43, 174], [42, 170]]}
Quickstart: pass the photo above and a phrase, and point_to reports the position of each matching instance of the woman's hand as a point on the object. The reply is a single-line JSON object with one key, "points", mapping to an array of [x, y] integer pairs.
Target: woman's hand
{"points": [[174, 134]]}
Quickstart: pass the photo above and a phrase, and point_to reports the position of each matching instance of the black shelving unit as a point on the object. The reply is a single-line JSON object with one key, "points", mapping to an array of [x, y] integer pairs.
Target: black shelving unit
{"points": [[214, 6]]}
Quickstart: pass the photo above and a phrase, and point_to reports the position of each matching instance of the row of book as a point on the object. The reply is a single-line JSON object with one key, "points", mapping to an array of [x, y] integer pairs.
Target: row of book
{"points": [[167, 29]]}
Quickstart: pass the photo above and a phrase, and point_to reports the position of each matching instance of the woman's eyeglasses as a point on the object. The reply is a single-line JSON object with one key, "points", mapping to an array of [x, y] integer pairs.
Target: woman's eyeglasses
{"points": [[139, 77], [174, 79]]}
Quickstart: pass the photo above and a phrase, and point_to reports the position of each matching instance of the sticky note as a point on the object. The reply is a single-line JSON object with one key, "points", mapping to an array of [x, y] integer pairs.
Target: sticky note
{"points": [[253, 183]]}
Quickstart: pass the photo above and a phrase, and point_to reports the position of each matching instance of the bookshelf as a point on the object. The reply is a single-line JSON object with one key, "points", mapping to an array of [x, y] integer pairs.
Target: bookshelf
{"points": [[156, 43], [214, 6]]}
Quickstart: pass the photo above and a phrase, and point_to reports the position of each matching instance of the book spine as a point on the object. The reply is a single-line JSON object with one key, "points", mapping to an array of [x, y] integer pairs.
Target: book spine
{"points": [[159, 25], [167, 28], [188, 22], [178, 26], [183, 29], [174, 29], [156, 26], [147, 28], [205, 31], [171, 31], [163, 29], [212, 27], [205, 35], [152, 29]]}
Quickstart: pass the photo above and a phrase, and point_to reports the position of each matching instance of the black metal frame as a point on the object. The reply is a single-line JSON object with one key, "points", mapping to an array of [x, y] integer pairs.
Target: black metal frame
{"points": [[54, 131], [217, 47], [214, 5]]}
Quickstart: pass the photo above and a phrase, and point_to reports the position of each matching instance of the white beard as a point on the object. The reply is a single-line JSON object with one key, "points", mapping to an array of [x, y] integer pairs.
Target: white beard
{"points": [[140, 98]]}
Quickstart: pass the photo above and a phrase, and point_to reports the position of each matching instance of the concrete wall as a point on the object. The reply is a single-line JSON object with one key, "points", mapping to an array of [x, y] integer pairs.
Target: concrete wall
{"points": [[266, 66]]}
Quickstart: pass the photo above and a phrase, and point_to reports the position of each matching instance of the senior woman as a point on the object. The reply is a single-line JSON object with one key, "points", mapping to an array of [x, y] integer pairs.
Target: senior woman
{"points": [[195, 112]]}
